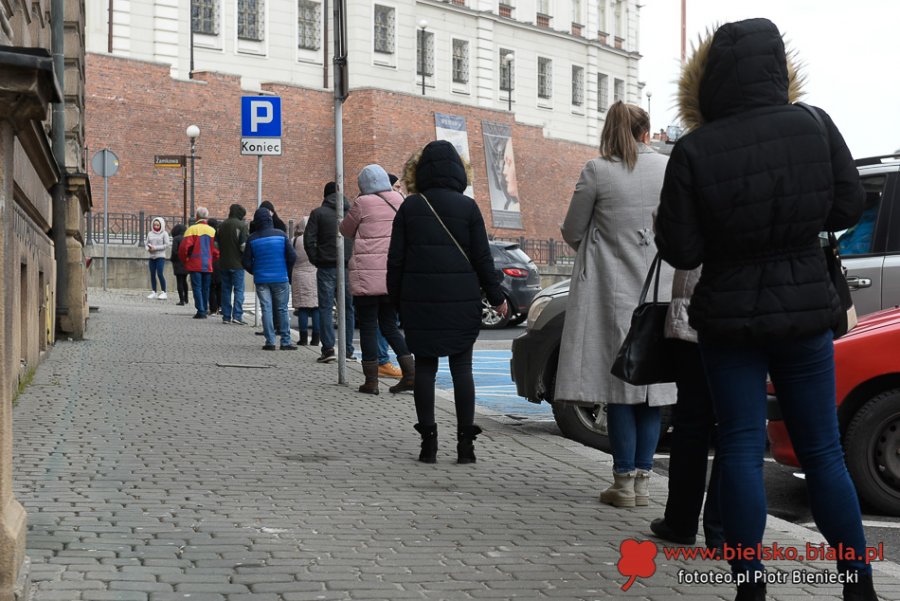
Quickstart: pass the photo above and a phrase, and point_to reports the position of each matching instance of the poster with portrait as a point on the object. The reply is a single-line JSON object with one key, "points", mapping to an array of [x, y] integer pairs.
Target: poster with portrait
{"points": [[501, 170], [453, 129]]}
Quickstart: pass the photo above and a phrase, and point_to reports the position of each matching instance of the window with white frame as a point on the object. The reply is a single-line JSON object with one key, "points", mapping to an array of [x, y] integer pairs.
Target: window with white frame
{"points": [[618, 90], [205, 16], [545, 77], [602, 92], [460, 61], [507, 70], [251, 20], [384, 29], [576, 11], [424, 55], [543, 7], [620, 28], [577, 85], [309, 16], [601, 16]]}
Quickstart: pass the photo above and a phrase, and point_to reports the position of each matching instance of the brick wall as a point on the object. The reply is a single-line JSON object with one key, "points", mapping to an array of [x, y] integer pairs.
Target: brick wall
{"points": [[137, 110]]}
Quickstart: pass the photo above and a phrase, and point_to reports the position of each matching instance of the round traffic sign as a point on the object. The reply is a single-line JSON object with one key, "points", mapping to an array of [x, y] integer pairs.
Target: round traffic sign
{"points": [[105, 163]]}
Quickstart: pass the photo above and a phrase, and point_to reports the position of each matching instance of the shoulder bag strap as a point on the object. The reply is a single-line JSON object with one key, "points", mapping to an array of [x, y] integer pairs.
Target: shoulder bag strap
{"points": [[387, 202], [441, 221]]}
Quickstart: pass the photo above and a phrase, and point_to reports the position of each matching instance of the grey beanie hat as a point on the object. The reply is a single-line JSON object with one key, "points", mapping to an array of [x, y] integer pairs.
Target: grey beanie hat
{"points": [[372, 179]]}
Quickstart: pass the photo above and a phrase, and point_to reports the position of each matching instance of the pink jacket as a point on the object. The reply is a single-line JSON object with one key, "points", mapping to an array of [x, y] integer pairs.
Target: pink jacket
{"points": [[369, 222]]}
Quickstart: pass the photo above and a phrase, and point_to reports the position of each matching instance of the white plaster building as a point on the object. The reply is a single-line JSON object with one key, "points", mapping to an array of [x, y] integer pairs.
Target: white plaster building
{"points": [[571, 58]]}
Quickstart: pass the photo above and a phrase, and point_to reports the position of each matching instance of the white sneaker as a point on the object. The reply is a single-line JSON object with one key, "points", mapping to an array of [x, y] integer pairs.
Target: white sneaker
{"points": [[162, 296], [152, 295]]}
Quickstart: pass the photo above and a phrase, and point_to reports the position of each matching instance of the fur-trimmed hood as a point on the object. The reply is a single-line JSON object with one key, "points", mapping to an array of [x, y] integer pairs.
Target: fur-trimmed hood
{"points": [[740, 67]]}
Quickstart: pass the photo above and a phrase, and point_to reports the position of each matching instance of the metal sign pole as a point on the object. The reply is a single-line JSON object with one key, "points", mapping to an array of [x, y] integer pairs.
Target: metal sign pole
{"points": [[258, 202], [341, 89], [105, 227]]}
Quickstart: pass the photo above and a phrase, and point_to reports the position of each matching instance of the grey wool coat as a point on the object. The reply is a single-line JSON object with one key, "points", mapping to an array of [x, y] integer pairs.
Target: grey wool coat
{"points": [[610, 225]]}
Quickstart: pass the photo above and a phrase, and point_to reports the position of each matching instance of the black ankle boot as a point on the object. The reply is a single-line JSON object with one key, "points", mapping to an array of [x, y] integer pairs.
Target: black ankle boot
{"points": [[861, 590], [303, 337], [428, 454], [465, 447], [751, 591], [314, 341]]}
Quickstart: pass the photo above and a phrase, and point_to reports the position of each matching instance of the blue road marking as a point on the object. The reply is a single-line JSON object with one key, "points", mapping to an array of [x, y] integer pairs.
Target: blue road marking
{"points": [[494, 388]]}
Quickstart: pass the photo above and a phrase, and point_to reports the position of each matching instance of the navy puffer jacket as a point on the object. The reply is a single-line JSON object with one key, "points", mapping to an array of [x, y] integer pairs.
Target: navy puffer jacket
{"points": [[268, 254], [747, 192], [436, 288]]}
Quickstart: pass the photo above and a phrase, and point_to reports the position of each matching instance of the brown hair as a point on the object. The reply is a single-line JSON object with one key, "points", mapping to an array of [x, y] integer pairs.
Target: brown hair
{"points": [[409, 172], [624, 127]]}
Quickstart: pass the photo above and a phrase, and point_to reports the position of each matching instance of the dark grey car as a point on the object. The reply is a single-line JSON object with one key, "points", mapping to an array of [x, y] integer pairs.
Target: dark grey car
{"points": [[520, 280]]}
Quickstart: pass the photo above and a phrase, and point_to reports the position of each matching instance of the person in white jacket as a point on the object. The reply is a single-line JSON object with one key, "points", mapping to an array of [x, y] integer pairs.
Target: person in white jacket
{"points": [[158, 244]]}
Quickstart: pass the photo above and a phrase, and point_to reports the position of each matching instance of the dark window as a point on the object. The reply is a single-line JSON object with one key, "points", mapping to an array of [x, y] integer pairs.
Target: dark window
{"points": [[460, 61], [425, 63], [384, 29], [309, 17], [250, 20], [205, 16]]}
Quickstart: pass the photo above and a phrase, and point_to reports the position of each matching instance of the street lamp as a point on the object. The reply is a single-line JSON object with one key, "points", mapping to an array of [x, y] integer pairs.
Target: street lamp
{"points": [[193, 132], [508, 59], [649, 95], [422, 25]]}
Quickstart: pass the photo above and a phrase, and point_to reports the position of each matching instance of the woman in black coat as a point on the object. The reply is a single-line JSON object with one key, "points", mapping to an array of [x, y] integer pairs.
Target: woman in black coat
{"points": [[435, 276], [746, 194], [181, 272]]}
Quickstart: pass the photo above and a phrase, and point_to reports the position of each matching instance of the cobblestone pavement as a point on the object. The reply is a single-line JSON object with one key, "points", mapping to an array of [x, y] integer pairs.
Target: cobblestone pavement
{"points": [[153, 468]]}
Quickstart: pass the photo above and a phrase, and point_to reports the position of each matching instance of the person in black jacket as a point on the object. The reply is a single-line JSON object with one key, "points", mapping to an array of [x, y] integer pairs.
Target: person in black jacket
{"points": [[320, 244], [181, 272], [746, 194], [435, 276], [277, 222]]}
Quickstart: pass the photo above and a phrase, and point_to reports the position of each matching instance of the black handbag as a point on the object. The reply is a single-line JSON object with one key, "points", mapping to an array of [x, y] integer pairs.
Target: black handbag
{"points": [[848, 318], [646, 354]]}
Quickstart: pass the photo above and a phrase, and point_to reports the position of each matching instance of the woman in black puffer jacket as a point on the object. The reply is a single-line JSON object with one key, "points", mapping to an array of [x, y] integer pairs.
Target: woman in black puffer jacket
{"points": [[746, 194], [437, 287]]}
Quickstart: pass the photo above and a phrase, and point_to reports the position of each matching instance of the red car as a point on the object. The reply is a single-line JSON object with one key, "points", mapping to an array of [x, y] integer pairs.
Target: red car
{"points": [[867, 362]]}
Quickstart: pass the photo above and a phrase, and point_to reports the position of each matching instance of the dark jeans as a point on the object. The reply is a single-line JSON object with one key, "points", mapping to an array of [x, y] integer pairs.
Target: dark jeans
{"points": [[694, 429], [304, 315], [200, 282], [803, 374], [232, 287], [374, 314], [156, 271], [633, 435], [463, 388], [326, 281], [181, 280], [215, 295]]}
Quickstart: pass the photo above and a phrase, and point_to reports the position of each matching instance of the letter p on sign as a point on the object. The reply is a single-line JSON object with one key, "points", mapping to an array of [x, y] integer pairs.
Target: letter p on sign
{"points": [[261, 116]]}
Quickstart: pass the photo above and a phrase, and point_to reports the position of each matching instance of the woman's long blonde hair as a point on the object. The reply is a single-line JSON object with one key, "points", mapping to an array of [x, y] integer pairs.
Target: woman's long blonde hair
{"points": [[625, 125]]}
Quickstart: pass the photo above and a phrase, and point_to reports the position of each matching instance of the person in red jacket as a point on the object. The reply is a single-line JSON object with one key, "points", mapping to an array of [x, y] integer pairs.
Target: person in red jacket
{"points": [[198, 251]]}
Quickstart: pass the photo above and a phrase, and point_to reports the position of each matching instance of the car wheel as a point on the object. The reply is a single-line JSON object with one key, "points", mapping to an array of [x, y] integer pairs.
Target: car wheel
{"points": [[871, 444], [586, 425], [490, 319]]}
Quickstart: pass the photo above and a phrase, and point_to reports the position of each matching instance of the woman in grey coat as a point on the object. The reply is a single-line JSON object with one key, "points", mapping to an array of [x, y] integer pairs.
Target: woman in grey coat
{"points": [[609, 223]]}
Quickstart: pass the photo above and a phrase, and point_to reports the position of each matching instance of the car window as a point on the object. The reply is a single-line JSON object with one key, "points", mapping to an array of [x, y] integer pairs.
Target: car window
{"points": [[518, 255], [859, 239], [496, 253]]}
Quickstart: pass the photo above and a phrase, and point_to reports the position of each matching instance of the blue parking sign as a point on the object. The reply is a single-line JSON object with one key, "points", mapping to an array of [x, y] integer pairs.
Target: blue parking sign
{"points": [[260, 117]]}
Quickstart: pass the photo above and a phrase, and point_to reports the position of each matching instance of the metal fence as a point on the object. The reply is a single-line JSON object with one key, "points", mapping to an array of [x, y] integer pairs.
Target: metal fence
{"points": [[132, 228]]}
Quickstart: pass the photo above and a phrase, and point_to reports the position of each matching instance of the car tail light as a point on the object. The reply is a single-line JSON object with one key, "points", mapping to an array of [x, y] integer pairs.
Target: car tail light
{"points": [[515, 272]]}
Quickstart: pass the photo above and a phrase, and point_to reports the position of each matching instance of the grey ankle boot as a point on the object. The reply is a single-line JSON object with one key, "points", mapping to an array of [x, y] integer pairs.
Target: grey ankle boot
{"points": [[642, 488], [621, 493]]}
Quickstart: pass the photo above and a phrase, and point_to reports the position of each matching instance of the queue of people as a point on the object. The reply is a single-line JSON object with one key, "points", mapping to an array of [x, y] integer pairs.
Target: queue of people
{"points": [[736, 211]]}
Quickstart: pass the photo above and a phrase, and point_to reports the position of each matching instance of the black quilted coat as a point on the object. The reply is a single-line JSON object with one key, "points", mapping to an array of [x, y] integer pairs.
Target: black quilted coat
{"points": [[437, 290], [747, 192]]}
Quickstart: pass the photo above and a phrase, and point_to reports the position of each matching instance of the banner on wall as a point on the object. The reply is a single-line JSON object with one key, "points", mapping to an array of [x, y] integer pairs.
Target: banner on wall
{"points": [[501, 170], [453, 129]]}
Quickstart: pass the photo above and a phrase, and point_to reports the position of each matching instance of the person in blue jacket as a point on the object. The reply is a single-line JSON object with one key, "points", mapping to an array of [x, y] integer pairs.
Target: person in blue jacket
{"points": [[270, 256]]}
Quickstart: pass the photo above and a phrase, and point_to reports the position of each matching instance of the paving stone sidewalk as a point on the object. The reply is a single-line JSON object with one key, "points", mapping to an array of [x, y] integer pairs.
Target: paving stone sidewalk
{"points": [[152, 469]]}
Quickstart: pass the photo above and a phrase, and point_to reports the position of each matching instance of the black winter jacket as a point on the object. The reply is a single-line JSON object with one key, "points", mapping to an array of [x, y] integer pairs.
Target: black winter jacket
{"points": [[320, 235], [747, 193], [436, 288]]}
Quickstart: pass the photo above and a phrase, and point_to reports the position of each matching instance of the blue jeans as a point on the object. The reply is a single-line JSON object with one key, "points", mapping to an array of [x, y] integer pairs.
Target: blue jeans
{"points": [[156, 270], [326, 282], [200, 282], [303, 318], [633, 435], [803, 374], [232, 283], [274, 298], [383, 357]]}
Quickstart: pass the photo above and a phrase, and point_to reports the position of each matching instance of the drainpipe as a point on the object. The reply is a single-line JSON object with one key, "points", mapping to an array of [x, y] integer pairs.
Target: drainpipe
{"points": [[58, 140], [325, 45]]}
